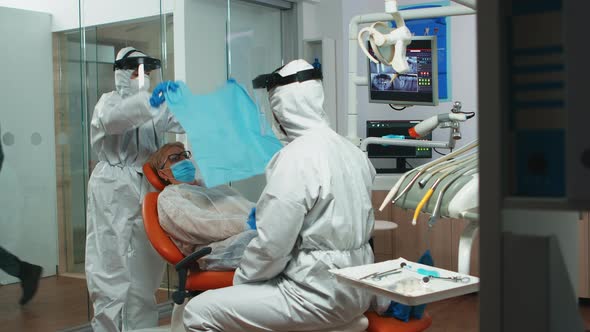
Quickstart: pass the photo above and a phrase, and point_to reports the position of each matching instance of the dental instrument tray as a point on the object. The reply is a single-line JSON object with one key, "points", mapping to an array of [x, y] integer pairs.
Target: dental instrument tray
{"points": [[408, 282]]}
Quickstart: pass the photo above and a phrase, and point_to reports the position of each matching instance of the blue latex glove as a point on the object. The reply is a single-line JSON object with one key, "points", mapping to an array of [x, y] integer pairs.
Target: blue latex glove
{"points": [[404, 312], [157, 97], [252, 219], [399, 311]]}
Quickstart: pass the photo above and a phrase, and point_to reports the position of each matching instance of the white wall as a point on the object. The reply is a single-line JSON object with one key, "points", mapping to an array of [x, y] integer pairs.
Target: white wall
{"points": [[65, 13], [34, 5], [330, 18], [97, 12], [562, 224], [199, 41], [323, 20]]}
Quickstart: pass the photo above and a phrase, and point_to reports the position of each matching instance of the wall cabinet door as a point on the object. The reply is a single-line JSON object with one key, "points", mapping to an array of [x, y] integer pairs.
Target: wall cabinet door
{"points": [[584, 277]]}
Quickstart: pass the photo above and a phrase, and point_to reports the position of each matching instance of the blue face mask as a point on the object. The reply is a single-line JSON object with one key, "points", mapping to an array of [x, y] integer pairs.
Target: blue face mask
{"points": [[184, 171]]}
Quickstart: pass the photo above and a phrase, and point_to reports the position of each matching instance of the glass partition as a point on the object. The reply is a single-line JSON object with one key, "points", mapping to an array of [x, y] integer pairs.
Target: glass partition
{"points": [[147, 29], [83, 71], [254, 48], [53, 83], [71, 148]]}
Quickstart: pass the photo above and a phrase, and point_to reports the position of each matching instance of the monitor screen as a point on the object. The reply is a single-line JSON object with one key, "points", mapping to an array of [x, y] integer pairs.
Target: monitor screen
{"points": [[400, 128], [419, 86]]}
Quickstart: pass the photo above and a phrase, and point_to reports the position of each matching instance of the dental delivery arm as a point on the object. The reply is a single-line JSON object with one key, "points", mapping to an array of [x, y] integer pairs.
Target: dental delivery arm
{"points": [[422, 169]]}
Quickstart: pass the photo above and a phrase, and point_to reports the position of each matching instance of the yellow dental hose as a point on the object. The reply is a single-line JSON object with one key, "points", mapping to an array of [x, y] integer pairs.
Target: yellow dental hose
{"points": [[447, 171], [420, 170], [422, 203]]}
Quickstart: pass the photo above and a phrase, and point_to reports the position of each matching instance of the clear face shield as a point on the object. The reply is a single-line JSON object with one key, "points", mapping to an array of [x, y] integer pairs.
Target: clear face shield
{"points": [[146, 72], [265, 116], [263, 84], [147, 79]]}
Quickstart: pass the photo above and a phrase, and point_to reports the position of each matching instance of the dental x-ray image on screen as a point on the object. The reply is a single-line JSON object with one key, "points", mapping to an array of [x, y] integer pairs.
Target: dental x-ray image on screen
{"points": [[418, 86]]}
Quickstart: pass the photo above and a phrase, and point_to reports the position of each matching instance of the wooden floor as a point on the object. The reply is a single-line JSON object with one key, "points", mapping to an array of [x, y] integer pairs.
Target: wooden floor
{"points": [[454, 315], [62, 302]]}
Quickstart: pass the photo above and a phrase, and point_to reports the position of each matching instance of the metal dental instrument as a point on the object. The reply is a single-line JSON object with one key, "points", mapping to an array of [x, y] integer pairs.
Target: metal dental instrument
{"points": [[428, 275], [369, 275], [379, 277], [460, 279], [384, 273]]}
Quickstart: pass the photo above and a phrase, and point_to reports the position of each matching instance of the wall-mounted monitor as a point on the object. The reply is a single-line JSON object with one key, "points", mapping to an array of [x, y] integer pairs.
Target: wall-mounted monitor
{"points": [[419, 86]]}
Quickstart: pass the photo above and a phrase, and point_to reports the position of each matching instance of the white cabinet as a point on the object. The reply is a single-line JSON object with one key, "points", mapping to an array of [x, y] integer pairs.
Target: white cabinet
{"points": [[325, 51]]}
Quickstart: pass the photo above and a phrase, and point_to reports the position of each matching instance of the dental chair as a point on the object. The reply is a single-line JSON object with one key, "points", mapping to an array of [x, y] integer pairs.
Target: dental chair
{"points": [[192, 281], [189, 282]]}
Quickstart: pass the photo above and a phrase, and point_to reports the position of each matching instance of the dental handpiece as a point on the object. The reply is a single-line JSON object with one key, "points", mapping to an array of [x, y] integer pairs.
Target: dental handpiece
{"points": [[466, 172], [435, 169], [447, 171], [394, 190]]}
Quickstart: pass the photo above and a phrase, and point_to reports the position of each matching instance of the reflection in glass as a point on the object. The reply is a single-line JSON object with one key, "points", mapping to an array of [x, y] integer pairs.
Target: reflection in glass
{"points": [[255, 47]]}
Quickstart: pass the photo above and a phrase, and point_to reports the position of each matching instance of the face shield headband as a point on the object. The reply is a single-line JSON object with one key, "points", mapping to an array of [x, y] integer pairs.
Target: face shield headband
{"points": [[132, 63], [274, 79]]}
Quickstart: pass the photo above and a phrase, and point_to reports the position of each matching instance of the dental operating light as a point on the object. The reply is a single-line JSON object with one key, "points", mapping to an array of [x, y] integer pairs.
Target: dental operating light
{"points": [[388, 45]]}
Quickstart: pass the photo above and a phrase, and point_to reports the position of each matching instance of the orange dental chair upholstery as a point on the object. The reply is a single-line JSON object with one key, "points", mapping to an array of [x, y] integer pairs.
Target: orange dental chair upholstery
{"points": [[190, 280]]}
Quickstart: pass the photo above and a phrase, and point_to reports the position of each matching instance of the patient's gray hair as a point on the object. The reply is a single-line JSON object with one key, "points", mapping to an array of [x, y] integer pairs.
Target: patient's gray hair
{"points": [[158, 158]]}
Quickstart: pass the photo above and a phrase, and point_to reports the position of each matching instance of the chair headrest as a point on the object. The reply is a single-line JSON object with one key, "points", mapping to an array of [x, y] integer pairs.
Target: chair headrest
{"points": [[153, 178]]}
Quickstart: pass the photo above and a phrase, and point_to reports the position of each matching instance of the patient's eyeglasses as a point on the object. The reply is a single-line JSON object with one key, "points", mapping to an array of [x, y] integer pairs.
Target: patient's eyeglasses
{"points": [[176, 157]]}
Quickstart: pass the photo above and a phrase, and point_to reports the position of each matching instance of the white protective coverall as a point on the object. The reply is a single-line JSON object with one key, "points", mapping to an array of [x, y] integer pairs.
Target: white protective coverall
{"points": [[196, 216], [314, 214], [123, 271]]}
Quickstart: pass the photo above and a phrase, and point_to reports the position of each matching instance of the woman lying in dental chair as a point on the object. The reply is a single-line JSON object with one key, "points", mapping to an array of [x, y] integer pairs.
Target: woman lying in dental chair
{"points": [[195, 216]]}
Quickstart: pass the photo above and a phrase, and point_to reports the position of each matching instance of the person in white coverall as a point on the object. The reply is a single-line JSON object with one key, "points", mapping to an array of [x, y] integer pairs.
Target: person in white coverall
{"points": [[123, 271], [315, 214]]}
